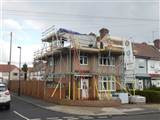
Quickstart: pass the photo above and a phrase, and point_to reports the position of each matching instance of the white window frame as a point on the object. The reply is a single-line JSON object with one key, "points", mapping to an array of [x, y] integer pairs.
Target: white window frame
{"points": [[110, 83], [50, 63], [83, 57]]}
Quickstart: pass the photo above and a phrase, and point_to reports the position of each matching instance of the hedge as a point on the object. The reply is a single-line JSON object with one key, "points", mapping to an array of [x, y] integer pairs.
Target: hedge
{"points": [[154, 88], [152, 96]]}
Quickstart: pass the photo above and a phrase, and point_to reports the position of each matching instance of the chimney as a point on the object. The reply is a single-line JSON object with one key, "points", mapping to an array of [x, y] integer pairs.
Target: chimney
{"points": [[157, 43], [103, 32], [144, 43]]}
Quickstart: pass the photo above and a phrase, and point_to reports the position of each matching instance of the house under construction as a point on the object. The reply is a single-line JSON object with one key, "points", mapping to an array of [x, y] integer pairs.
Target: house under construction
{"points": [[84, 65]]}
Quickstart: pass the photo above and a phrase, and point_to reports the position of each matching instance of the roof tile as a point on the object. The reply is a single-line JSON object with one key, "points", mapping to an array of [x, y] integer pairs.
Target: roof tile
{"points": [[7, 68]]}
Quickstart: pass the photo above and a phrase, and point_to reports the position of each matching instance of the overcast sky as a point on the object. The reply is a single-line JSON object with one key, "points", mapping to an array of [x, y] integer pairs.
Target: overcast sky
{"points": [[27, 19]]}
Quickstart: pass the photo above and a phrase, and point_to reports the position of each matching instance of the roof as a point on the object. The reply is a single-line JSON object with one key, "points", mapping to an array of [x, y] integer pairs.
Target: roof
{"points": [[7, 68], [155, 75], [146, 51], [30, 69]]}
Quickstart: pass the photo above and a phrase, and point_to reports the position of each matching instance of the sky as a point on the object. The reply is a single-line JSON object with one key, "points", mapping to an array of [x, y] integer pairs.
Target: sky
{"points": [[27, 19]]}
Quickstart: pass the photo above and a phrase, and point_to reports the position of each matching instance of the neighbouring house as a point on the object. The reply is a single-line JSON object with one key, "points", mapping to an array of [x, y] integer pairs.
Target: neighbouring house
{"points": [[86, 66], [37, 72], [30, 73], [154, 65], [4, 72], [147, 65]]}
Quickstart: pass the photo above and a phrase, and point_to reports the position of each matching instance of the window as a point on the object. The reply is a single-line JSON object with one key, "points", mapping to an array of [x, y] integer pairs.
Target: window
{"points": [[140, 66], [106, 60], [83, 59], [50, 63], [15, 74], [106, 83], [152, 66], [3, 88]]}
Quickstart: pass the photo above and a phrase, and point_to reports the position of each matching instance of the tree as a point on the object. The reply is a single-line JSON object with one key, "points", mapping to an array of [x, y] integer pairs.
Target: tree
{"points": [[25, 69]]}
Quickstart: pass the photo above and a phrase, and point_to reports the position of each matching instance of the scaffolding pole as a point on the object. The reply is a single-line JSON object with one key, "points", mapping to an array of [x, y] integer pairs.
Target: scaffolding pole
{"points": [[79, 89], [70, 77], [60, 85]]}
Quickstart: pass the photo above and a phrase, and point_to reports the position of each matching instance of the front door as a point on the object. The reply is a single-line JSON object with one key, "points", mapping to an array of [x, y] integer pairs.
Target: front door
{"points": [[140, 84], [85, 88]]}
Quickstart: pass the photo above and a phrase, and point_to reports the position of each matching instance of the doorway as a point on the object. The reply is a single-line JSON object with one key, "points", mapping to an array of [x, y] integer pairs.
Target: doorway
{"points": [[85, 88]]}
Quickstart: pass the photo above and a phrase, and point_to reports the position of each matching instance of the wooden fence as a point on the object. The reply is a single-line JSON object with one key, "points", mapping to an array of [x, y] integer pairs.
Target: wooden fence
{"points": [[37, 89]]}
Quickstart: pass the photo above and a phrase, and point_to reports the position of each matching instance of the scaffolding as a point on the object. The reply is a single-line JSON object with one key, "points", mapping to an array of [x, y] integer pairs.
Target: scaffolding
{"points": [[71, 46]]}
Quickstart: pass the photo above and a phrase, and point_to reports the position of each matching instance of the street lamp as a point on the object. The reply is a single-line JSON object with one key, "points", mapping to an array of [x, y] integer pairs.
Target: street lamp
{"points": [[19, 89], [10, 55]]}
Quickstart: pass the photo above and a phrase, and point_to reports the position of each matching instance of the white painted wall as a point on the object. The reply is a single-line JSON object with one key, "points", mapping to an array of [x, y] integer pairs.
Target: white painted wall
{"points": [[13, 72], [5, 75], [0, 74]]}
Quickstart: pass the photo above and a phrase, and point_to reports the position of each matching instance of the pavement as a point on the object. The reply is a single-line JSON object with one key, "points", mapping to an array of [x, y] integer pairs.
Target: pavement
{"points": [[123, 110]]}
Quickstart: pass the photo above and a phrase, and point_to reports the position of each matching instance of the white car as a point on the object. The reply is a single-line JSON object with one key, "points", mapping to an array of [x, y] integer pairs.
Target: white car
{"points": [[5, 97]]}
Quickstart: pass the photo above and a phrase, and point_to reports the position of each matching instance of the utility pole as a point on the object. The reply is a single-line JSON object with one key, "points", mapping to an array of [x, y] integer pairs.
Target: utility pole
{"points": [[10, 56]]}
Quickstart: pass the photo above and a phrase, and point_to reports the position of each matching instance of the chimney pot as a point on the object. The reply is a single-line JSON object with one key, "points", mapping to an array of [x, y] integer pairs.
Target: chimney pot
{"points": [[157, 43], [103, 32]]}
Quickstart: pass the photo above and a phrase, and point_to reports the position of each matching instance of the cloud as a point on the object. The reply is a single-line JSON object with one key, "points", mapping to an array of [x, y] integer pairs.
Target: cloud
{"points": [[27, 53], [12, 24], [37, 25], [4, 49]]}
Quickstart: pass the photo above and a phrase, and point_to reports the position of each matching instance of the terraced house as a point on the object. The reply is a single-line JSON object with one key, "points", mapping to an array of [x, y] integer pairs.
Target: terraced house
{"points": [[147, 65]]}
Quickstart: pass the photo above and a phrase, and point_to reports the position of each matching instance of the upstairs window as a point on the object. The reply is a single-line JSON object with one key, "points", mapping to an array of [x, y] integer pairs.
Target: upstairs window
{"points": [[83, 60], [152, 66], [107, 61], [140, 66]]}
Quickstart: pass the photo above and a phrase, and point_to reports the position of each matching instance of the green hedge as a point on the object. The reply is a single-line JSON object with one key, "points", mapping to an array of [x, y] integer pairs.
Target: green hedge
{"points": [[152, 96], [154, 88]]}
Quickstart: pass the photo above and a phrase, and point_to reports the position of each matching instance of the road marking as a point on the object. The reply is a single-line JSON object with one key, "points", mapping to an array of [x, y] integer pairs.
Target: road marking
{"points": [[36, 119], [86, 117], [102, 117], [22, 116], [71, 118], [53, 118], [59, 118]]}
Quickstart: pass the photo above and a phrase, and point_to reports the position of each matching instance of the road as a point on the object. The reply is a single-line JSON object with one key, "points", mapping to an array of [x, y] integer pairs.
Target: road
{"points": [[21, 110]]}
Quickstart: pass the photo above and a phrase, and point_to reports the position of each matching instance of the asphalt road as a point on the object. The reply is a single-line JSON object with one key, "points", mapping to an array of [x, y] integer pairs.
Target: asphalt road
{"points": [[21, 110]]}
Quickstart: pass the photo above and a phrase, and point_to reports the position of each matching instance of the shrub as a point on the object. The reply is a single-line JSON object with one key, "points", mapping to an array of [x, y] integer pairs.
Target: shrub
{"points": [[152, 96], [154, 88]]}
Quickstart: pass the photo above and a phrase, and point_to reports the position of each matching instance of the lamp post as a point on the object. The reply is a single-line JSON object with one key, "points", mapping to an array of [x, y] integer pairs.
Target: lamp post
{"points": [[19, 88], [10, 56]]}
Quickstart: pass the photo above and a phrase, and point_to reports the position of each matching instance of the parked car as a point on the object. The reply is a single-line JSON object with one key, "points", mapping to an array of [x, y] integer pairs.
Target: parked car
{"points": [[5, 97]]}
